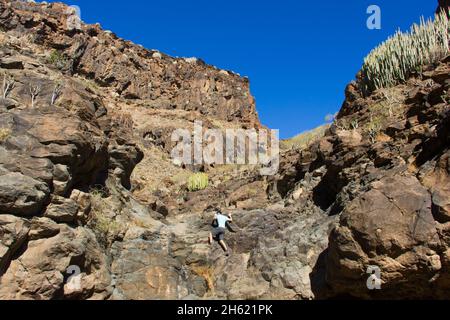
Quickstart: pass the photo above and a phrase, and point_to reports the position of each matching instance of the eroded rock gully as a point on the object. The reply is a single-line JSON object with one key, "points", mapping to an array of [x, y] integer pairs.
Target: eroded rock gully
{"points": [[86, 180]]}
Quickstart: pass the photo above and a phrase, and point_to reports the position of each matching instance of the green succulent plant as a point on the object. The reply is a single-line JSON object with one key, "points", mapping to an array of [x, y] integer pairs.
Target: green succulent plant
{"points": [[397, 58], [197, 182]]}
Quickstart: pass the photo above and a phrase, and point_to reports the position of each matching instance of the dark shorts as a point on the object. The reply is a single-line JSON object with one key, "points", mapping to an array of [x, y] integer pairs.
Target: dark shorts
{"points": [[218, 234]]}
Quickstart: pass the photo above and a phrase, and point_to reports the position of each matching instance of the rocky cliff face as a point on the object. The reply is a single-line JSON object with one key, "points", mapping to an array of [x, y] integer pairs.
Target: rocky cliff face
{"points": [[87, 187], [68, 146], [129, 70], [391, 191]]}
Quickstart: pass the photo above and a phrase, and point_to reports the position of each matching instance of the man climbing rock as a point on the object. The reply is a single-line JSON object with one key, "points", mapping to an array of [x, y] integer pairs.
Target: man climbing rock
{"points": [[219, 229]]}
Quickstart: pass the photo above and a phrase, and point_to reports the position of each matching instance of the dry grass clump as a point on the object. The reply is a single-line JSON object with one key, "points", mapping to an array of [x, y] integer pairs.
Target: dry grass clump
{"points": [[4, 134], [100, 221], [305, 139]]}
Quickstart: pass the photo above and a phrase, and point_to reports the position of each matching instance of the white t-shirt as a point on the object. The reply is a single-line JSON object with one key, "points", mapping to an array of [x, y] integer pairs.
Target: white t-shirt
{"points": [[221, 220]]}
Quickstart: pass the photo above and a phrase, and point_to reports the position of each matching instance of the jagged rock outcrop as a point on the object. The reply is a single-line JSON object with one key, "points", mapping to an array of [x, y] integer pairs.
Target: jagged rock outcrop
{"points": [[130, 70], [67, 152], [40, 271], [396, 221], [385, 175]]}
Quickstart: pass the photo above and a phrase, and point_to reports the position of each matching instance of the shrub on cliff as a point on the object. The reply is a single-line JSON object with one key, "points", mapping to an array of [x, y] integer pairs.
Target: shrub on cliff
{"points": [[104, 225], [58, 60], [394, 60]]}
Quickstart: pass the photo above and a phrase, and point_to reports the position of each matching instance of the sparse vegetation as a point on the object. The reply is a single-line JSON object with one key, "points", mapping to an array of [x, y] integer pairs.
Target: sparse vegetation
{"points": [[4, 134], [90, 85], [57, 91], [374, 128], [125, 121], [390, 101], [58, 59], [8, 84], [342, 124], [355, 124], [389, 105], [395, 60], [103, 224], [100, 222], [198, 181], [35, 91], [305, 139], [180, 178], [99, 191]]}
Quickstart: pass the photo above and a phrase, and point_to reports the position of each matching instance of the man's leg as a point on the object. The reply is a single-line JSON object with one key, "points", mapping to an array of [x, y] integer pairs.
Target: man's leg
{"points": [[210, 239], [223, 245]]}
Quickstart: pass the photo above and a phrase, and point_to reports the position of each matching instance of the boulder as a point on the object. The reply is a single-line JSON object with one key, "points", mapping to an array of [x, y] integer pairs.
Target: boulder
{"points": [[62, 180], [11, 63], [13, 234], [41, 272], [62, 210], [124, 158], [143, 274], [42, 228], [83, 200], [349, 138], [21, 195], [390, 226]]}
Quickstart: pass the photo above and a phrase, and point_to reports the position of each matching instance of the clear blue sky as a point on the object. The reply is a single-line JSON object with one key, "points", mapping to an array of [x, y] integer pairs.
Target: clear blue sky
{"points": [[299, 55]]}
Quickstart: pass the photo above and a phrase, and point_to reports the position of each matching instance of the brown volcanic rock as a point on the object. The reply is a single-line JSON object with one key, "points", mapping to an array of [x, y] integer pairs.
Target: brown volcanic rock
{"points": [[396, 216], [50, 153], [388, 188], [144, 274], [21, 195], [14, 233], [373, 191], [39, 141], [130, 70], [54, 153], [437, 178], [392, 227], [39, 272]]}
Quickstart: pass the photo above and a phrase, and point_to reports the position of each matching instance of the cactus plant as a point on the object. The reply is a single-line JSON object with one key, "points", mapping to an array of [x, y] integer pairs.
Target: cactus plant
{"points": [[396, 59], [198, 181]]}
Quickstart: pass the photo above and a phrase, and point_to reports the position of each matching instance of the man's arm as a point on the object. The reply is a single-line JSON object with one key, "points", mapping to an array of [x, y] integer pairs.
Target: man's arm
{"points": [[230, 217]]}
